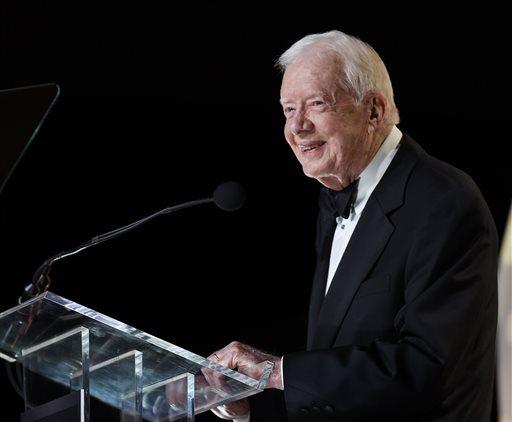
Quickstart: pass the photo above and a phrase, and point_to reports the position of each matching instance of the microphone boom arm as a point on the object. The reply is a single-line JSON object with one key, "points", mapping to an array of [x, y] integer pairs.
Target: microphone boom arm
{"points": [[41, 279]]}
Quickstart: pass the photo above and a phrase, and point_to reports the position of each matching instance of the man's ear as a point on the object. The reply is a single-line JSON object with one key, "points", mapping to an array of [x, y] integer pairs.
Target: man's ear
{"points": [[377, 108]]}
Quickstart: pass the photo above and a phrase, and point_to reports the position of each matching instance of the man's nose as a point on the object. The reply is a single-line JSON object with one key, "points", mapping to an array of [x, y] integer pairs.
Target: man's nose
{"points": [[300, 124]]}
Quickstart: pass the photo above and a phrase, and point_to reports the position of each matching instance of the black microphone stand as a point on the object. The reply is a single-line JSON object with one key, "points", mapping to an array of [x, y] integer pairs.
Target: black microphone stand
{"points": [[41, 279]]}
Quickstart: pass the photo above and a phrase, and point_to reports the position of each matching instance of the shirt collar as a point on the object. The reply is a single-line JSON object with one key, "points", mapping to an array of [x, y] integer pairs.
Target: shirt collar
{"points": [[374, 171]]}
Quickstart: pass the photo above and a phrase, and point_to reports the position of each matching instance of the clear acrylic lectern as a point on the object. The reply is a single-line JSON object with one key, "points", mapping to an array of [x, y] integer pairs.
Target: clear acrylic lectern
{"points": [[70, 352]]}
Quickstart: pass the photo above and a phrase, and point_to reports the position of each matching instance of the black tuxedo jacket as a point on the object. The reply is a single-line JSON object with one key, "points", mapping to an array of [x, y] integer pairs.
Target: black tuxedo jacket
{"points": [[407, 329]]}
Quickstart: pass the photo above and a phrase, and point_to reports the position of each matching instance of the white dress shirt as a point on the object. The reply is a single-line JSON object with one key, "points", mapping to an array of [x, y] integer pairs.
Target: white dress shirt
{"points": [[368, 179]]}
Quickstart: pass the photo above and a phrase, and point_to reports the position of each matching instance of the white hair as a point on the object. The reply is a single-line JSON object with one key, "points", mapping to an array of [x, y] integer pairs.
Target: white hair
{"points": [[362, 69]]}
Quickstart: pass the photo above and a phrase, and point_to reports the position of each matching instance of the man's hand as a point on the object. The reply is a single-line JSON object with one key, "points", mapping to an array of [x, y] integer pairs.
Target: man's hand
{"points": [[248, 361], [238, 411]]}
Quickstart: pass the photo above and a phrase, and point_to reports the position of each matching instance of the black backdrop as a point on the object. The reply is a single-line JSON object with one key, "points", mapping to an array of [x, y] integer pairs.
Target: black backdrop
{"points": [[158, 107]]}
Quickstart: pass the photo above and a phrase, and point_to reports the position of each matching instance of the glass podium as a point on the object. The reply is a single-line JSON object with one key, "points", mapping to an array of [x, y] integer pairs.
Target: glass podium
{"points": [[76, 358]]}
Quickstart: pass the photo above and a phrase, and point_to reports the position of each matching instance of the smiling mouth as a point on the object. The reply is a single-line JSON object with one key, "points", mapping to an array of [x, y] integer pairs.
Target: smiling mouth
{"points": [[310, 147]]}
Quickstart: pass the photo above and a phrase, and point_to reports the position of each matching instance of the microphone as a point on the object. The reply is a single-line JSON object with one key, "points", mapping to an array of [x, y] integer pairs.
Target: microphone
{"points": [[228, 196]]}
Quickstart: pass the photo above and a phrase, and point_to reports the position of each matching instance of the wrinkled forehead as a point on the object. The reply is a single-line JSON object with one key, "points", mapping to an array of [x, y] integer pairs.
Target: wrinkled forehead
{"points": [[309, 74]]}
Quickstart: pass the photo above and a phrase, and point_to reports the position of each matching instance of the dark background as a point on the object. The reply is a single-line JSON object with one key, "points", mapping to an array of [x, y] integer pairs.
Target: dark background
{"points": [[158, 106]]}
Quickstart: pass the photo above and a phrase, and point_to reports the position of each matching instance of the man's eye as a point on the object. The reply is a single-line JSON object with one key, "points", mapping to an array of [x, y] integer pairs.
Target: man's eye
{"points": [[318, 103], [288, 109]]}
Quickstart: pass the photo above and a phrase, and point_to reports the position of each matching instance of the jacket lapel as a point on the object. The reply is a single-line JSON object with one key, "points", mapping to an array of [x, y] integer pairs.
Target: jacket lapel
{"points": [[366, 245], [325, 233]]}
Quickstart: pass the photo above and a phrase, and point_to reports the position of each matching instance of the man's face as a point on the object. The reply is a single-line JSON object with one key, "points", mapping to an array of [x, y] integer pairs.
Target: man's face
{"points": [[326, 131]]}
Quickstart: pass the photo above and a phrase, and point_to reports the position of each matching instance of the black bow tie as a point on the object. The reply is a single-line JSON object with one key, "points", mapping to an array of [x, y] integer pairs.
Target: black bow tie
{"points": [[339, 203]]}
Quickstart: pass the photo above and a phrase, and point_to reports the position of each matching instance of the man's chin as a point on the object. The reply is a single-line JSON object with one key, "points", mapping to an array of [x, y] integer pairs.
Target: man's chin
{"points": [[313, 173]]}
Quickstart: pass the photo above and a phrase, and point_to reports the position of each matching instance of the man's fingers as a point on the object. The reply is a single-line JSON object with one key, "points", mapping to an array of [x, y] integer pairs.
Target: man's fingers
{"points": [[221, 412]]}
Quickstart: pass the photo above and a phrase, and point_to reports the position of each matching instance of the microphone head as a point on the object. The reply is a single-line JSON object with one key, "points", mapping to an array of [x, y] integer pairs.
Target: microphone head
{"points": [[229, 196]]}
